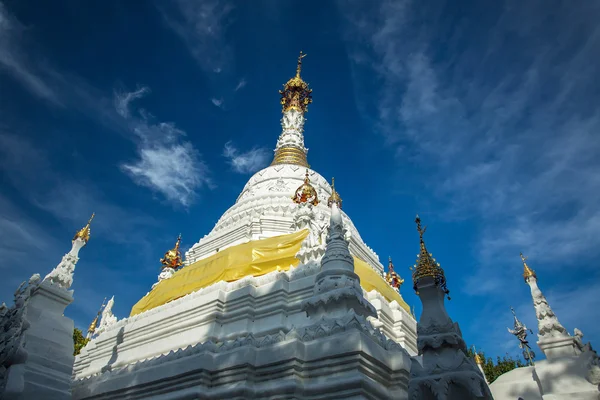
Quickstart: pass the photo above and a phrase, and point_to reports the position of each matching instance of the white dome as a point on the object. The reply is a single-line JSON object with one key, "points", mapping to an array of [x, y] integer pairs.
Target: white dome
{"points": [[264, 209]]}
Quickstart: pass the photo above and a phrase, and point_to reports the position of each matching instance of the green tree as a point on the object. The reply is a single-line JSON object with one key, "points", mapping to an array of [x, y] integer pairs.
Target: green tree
{"points": [[502, 365], [79, 341]]}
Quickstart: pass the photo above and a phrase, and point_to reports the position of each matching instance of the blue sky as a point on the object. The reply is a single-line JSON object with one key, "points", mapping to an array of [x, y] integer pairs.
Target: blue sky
{"points": [[480, 116]]}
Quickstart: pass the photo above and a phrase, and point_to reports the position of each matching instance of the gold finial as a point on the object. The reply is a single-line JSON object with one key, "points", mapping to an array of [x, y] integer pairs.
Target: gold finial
{"points": [[426, 265], [335, 196], [172, 258], [392, 277], [477, 357], [306, 193], [94, 324], [296, 94], [299, 67], [84, 233], [527, 272]]}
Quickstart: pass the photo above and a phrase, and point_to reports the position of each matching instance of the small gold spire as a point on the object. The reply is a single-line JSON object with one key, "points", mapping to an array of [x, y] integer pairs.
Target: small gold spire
{"points": [[172, 258], [335, 197], [477, 357], [306, 193], [392, 277], [426, 265], [94, 324], [527, 272], [84, 233], [296, 93], [299, 67]]}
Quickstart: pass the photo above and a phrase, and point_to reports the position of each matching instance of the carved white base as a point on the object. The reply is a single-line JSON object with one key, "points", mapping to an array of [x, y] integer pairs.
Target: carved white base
{"points": [[344, 365], [560, 379], [49, 345], [260, 306]]}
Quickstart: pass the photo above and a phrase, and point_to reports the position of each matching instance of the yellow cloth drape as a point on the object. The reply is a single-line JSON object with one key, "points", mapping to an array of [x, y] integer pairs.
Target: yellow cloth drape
{"points": [[371, 280], [254, 258]]}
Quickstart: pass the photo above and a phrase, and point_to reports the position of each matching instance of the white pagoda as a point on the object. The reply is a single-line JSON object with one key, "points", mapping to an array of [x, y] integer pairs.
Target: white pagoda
{"points": [[281, 300]]}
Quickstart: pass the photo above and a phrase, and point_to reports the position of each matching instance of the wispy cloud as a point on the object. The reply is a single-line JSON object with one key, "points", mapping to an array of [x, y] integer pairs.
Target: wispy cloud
{"points": [[202, 26], [167, 163], [241, 84], [15, 60], [512, 139], [217, 102], [247, 162]]}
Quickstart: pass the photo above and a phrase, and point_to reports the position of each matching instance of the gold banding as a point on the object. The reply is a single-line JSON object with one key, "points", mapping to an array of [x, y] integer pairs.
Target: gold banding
{"points": [[290, 155]]}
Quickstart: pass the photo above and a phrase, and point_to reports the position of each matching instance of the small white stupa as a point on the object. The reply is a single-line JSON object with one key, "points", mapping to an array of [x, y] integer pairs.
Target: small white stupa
{"points": [[36, 339], [571, 369]]}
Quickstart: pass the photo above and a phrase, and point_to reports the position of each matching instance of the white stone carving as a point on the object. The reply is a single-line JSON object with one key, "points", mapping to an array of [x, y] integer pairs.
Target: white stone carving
{"points": [[337, 290], [165, 273], [304, 218], [62, 274], [108, 318], [13, 324]]}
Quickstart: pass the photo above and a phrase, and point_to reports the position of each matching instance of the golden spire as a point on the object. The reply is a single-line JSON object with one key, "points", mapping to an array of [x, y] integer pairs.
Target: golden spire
{"points": [[392, 277], [527, 272], [84, 233], [478, 359], [335, 197], [295, 93], [426, 265], [94, 324], [306, 193], [172, 258]]}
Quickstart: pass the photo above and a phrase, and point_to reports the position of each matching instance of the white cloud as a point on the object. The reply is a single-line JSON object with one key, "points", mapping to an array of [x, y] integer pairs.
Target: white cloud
{"points": [[217, 102], [512, 140], [247, 162], [202, 26], [241, 84], [122, 100], [14, 59], [167, 163]]}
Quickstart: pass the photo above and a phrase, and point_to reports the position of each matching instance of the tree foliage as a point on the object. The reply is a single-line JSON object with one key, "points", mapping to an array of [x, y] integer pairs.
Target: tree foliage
{"points": [[79, 341], [502, 365]]}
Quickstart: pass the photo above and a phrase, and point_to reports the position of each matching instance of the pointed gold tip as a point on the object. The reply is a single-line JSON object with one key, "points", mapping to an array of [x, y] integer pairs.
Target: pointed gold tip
{"points": [[84, 233], [527, 272]]}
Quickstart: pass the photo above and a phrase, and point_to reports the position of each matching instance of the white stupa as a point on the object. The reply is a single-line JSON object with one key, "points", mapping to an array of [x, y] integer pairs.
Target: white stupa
{"points": [[282, 299], [571, 369]]}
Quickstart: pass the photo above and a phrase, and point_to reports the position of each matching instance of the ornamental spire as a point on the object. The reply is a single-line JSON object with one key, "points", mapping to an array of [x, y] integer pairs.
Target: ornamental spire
{"points": [[296, 93], [335, 197], [295, 98], [527, 272], [426, 265], [554, 340], [306, 193], [392, 277], [92, 328], [172, 258], [84, 233]]}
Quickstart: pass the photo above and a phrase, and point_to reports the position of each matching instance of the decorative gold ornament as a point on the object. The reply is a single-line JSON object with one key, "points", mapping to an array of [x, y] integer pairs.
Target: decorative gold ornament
{"points": [[94, 324], [172, 258], [84, 233], [335, 197], [478, 359], [527, 272], [290, 155], [392, 277], [295, 93], [306, 193], [426, 265]]}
